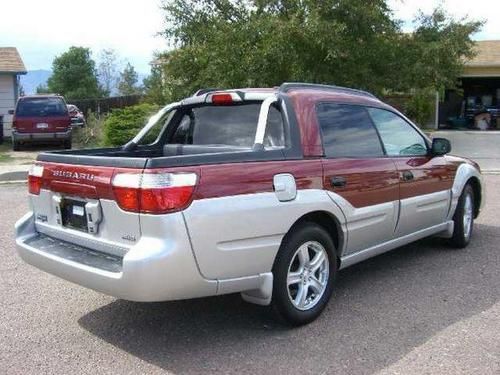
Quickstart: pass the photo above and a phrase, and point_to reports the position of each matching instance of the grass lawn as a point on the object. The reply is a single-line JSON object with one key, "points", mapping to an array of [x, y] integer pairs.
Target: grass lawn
{"points": [[4, 148], [8, 157]]}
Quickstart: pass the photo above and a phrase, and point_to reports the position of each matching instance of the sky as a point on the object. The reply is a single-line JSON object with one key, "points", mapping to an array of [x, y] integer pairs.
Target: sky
{"points": [[43, 29]]}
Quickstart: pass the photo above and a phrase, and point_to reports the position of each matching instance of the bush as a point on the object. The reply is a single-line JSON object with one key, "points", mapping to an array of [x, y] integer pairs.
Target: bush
{"points": [[420, 107], [121, 125], [91, 135]]}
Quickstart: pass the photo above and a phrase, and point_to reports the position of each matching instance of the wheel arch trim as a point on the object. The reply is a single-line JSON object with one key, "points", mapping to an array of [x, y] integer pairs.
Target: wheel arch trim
{"points": [[467, 173]]}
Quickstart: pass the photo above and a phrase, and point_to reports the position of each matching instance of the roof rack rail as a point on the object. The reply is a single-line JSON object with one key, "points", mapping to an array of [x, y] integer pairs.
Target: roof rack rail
{"points": [[287, 86], [206, 91]]}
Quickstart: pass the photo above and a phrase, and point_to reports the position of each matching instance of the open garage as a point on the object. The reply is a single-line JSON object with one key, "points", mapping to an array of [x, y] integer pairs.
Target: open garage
{"points": [[476, 102]]}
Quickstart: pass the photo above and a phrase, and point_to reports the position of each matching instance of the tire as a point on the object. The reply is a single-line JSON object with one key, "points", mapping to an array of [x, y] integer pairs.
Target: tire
{"points": [[463, 218], [298, 251], [16, 146], [67, 144]]}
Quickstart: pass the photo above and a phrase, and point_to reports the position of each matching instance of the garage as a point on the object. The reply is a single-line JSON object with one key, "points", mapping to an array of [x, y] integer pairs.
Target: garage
{"points": [[476, 102]]}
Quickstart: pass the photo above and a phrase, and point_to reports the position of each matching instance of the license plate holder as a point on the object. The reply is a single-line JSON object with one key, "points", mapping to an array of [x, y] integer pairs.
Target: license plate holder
{"points": [[73, 214], [42, 125]]}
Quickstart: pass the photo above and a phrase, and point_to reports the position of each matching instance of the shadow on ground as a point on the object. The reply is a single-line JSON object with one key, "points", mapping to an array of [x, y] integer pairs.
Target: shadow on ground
{"points": [[380, 311]]}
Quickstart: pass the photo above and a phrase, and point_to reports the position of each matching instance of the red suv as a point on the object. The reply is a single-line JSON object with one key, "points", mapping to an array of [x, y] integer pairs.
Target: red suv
{"points": [[41, 118]]}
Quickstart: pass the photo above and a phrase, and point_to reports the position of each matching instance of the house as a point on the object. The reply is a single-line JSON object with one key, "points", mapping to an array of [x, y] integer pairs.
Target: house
{"points": [[11, 66], [480, 87]]}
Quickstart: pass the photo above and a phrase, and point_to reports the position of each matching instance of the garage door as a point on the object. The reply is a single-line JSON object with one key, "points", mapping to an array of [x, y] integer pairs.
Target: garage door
{"points": [[7, 101]]}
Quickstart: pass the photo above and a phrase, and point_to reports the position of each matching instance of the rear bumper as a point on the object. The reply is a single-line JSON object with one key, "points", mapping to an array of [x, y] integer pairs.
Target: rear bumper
{"points": [[152, 270], [16, 136]]}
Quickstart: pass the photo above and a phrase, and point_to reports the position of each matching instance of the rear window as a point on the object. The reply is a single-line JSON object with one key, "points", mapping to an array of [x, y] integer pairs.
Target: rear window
{"points": [[40, 107], [227, 125]]}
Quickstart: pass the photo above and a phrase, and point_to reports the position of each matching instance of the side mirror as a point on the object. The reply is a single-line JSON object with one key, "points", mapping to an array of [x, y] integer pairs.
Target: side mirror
{"points": [[11, 112], [440, 146]]}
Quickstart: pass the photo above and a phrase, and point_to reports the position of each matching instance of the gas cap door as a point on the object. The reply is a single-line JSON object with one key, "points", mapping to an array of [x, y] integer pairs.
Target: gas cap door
{"points": [[285, 187]]}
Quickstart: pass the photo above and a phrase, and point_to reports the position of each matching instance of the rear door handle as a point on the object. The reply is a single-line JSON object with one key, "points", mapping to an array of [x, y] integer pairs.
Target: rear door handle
{"points": [[338, 181], [407, 176]]}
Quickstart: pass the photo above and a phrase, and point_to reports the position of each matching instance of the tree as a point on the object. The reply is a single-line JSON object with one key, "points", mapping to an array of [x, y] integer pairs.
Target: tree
{"points": [[42, 89], [235, 43], [154, 86], [107, 71], [127, 85], [74, 75]]}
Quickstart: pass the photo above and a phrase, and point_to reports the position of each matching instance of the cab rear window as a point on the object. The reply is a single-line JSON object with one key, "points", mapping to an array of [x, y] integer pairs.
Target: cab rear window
{"points": [[41, 107], [227, 125]]}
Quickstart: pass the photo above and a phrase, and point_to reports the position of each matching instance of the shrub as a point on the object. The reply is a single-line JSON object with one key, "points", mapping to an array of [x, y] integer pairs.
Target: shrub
{"points": [[420, 107], [121, 125], [92, 134]]}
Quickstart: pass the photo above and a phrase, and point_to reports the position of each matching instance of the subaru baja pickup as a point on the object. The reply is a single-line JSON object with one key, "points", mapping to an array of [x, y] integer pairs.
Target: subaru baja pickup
{"points": [[264, 192]]}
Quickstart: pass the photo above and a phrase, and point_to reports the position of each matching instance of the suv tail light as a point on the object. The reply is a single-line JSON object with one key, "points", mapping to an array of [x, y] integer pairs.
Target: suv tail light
{"points": [[35, 179], [154, 192]]}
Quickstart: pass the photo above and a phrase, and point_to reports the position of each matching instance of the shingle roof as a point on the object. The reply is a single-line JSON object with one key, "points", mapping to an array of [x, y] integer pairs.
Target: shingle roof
{"points": [[10, 61], [488, 54]]}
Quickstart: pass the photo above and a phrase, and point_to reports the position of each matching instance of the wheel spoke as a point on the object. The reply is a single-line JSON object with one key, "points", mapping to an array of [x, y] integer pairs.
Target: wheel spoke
{"points": [[303, 255], [315, 285], [300, 299], [293, 278], [317, 261]]}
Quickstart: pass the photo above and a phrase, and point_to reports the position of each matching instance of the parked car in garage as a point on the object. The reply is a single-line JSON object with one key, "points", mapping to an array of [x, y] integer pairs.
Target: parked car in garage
{"points": [[41, 119], [77, 116], [268, 192]]}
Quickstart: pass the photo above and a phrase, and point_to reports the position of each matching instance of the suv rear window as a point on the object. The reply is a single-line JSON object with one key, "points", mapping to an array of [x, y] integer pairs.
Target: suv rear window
{"points": [[40, 107], [227, 125]]}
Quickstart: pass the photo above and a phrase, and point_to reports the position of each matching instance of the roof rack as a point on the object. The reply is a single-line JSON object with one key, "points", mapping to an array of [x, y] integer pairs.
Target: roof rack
{"points": [[287, 86]]}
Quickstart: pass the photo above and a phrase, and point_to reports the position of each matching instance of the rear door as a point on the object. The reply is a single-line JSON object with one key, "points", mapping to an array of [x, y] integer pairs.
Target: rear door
{"points": [[425, 181], [357, 174]]}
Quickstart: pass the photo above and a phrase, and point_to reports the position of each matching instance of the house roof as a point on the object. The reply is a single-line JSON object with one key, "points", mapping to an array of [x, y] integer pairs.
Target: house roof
{"points": [[10, 61], [488, 54]]}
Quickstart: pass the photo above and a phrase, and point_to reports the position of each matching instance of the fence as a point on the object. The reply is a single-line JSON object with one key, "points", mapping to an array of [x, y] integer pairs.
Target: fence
{"points": [[104, 105]]}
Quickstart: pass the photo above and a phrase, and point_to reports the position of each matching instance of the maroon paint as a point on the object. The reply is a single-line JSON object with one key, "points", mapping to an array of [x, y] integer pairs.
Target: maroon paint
{"points": [[255, 177], [368, 181], [430, 175]]}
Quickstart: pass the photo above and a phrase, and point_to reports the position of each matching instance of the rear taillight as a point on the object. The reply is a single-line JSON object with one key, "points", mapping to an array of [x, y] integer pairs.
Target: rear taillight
{"points": [[35, 179], [154, 192], [14, 123]]}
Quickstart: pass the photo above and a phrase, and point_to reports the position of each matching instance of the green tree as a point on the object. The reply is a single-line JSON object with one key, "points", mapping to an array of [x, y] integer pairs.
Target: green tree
{"points": [[42, 89], [128, 82], [154, 86], [235, 43], [74, 75]]}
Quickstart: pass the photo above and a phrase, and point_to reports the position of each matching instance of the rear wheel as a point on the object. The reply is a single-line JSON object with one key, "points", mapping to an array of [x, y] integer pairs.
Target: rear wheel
{"points": [[304, 271], [464, 218], [67, 144], [16, 146]]}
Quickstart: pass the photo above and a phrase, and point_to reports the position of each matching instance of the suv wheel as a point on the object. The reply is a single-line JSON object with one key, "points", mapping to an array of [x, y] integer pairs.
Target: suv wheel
{"points": [[464, 218], [16, 146], [67, 144], [304, 271]]}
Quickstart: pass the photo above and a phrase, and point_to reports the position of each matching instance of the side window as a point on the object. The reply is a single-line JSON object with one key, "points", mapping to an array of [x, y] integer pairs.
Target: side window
{"points": [[348, 131], [398, 136]]}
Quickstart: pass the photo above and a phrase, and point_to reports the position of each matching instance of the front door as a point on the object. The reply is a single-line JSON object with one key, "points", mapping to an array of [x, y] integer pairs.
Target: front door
{"points": [[358, 176], [425, 181]]}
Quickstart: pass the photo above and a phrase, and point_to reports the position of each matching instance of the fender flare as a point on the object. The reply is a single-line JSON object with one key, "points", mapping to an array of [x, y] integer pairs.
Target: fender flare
{"points": [[465, 172]]}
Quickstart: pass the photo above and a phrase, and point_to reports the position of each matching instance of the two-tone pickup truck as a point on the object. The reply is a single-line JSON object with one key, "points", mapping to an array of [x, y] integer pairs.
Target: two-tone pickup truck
{"points": [[267, 192]]}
